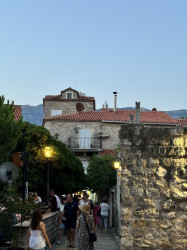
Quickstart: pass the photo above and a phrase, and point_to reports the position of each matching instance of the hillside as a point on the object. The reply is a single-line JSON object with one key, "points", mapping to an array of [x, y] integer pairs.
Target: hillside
{"points": [[34, 114], [178, 113]]}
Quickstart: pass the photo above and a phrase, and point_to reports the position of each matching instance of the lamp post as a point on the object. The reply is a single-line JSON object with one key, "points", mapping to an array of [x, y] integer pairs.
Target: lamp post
{"points": [[48, 155], [117, 166]]}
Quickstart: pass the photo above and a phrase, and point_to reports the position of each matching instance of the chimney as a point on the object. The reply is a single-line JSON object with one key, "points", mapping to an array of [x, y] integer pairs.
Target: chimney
{"points": [[115, 100], [131, 119], [137, 112]]}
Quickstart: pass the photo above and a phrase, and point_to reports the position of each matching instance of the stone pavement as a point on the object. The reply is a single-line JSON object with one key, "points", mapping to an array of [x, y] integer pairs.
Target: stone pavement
{"points": [[104, 242]]}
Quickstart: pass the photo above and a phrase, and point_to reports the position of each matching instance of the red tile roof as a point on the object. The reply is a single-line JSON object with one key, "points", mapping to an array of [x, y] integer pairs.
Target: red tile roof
{"points": [[17, 112], [59, 98], [119, 116], [183, 122], [107, 152]]}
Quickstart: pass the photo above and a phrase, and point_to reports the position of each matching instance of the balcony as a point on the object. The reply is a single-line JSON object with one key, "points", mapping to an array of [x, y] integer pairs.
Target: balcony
{"points": [[85, 144]]}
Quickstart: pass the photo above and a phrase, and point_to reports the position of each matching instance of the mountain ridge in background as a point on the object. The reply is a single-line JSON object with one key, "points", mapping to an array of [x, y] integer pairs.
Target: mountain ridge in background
{"points": [[34, 114]]}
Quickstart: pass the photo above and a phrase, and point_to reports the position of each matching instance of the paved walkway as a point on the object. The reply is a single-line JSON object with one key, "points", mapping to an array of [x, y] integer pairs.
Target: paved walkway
{"points": [[104, 242]]}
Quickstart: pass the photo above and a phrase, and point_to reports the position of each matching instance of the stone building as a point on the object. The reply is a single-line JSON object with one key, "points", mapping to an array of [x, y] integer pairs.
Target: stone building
{"points": [[87, 131], [69, 101]]}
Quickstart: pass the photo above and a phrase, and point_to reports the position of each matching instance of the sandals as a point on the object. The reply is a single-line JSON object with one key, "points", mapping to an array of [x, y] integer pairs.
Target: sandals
{"points": [[72, 246]]}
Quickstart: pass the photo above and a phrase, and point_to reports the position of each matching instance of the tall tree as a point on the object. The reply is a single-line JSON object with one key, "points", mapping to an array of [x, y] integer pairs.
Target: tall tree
{"points": [[101, 174], [10, 129], [66, 171]]}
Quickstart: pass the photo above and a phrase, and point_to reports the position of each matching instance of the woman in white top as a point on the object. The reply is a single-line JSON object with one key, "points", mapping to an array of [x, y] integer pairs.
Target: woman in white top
{"points": [[37, 236], [104, 215]]}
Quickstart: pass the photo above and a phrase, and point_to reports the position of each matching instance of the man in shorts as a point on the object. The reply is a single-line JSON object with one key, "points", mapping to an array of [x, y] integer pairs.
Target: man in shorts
{"points": [[71, 212]]}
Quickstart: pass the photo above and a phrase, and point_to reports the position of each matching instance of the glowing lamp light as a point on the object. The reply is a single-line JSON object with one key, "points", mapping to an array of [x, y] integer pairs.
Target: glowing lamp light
{"points": [[117, 164], [119, 174], [48, 152]]}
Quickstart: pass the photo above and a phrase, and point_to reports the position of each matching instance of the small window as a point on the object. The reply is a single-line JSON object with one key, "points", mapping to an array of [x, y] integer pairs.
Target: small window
{"points": [[69, 95], [56, 112]]}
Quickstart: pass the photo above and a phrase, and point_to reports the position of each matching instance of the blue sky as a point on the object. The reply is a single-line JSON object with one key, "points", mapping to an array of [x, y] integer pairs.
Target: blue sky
{"points": [[135, 47]]}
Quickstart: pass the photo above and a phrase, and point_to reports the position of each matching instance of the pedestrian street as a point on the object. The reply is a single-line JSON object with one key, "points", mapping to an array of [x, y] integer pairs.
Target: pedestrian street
{"points": [[104, 242]]}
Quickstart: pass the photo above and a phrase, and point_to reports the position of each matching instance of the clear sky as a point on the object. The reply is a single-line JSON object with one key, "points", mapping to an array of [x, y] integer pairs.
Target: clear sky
{"points": [[135, 47]]}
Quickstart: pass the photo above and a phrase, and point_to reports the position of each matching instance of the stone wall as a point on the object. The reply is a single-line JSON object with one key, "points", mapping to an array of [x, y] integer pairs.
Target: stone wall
{"points": [[67, 106], [66, 129], [51, 223], [153, 188]]}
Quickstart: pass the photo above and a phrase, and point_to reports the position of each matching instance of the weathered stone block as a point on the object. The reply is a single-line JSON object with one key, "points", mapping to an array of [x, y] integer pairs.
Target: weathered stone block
{"points": [[155, 212]]}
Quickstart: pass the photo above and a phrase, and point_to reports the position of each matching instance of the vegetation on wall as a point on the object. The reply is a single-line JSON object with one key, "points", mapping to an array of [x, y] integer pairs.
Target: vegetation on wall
{"points": [[15, 210]]}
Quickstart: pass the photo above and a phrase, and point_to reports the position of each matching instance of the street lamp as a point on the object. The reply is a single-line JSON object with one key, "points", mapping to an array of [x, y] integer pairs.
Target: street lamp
{"points": [[48, 152], [117, 164], [48, 155]]}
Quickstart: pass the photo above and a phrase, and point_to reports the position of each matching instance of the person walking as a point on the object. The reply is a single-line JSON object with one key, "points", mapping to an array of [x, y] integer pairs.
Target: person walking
{"points": [[84, 199], [37, 236], [62, 220], [71, 212], [83, 235], [95, 214], [104, 215]]}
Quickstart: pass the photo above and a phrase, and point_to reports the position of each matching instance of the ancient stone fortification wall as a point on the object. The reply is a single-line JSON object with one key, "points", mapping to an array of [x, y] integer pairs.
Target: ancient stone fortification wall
{"points": [[51, 223], [153, 188]]}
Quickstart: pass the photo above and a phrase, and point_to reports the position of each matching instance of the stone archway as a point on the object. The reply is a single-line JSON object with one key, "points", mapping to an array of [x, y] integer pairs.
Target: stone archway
{"points": [[153, 187]]}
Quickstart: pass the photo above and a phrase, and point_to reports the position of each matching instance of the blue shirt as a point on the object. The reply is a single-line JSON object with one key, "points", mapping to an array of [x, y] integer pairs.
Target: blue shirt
{"points": [[71, 210]]}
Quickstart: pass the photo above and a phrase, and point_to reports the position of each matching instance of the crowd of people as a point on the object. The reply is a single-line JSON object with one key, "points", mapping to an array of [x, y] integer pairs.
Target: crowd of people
{"points": [[75, 214]]}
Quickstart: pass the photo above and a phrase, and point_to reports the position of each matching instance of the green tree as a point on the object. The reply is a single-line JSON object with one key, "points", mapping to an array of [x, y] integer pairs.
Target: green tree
{"points": [[66, 171], [101, 174], [10, 129]]}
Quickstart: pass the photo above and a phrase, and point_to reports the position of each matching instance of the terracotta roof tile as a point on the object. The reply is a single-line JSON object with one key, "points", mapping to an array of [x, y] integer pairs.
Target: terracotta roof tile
{"points": [[183, 122], [17, 112], [107, 152], [118, 116]]}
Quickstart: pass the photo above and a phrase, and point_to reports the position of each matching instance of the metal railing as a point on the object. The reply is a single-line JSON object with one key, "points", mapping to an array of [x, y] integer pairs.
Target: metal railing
{"points": [[85, 143]]}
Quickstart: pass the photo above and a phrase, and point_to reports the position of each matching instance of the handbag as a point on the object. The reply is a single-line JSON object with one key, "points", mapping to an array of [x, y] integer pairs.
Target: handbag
{"points": [[92, 237]]}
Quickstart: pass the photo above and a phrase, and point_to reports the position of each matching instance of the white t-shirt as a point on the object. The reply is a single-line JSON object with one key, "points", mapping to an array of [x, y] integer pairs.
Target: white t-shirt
{"points": [[104, 209], [61, 207], [58, 201], [38, 201], [82, 202]]}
